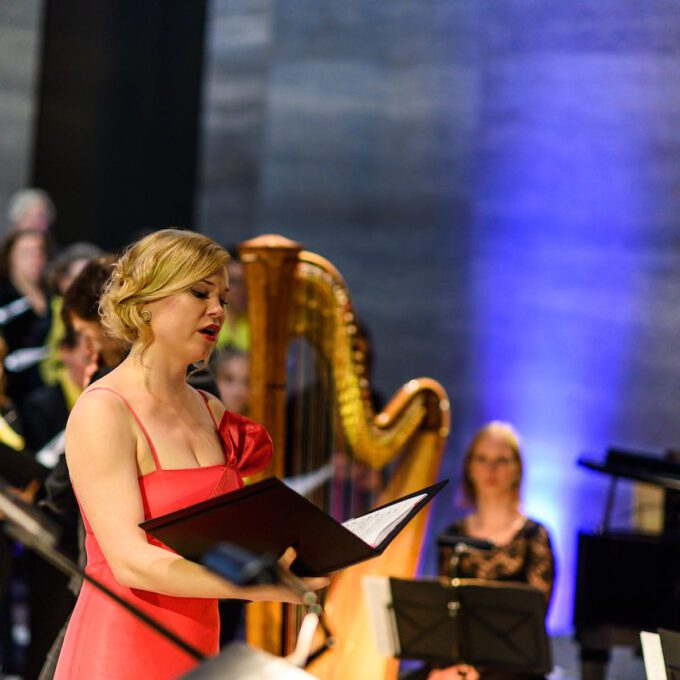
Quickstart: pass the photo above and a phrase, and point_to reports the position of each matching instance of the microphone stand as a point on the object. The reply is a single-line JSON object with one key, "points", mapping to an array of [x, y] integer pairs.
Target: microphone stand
{"points": [[302, 654], [34, 530], [460, 545]]}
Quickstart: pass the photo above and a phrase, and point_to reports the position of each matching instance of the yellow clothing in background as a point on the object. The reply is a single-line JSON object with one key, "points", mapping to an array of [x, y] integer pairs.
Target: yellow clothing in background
{"points": [[69, 388], [9, 437], [50, 365], [236, 335]]}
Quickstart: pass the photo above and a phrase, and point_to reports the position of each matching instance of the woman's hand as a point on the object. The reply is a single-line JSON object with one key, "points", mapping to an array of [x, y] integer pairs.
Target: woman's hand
{"points": [[460, 671], [311, 583], [282, 592], [28, 493]]}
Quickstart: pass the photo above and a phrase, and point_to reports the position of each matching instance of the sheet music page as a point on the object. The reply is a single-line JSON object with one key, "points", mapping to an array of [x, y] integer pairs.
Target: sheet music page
{"points": [[655, 668], [378, 598], [373, 527]]}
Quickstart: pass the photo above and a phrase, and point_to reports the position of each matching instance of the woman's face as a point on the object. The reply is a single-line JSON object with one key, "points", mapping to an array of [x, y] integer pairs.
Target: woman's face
{"points": [[493, 467], [237, 287], [34, 216], [233, 383], [28, 258], [100, 347], [189, 322], [77, 359]]}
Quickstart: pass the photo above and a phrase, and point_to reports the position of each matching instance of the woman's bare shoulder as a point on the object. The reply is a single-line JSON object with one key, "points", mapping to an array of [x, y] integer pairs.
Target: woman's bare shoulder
{"points": [[100, 409]]}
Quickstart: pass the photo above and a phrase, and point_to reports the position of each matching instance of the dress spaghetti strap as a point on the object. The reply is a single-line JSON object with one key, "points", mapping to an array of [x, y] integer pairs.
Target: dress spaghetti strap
{"points": [[207, 405], [137, 419]]}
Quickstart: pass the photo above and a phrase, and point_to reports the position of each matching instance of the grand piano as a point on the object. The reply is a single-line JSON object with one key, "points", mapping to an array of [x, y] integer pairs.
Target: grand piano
{"points": [[628, 581]]}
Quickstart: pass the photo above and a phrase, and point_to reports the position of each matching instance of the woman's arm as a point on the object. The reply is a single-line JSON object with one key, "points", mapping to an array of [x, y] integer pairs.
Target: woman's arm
{"points": [[101, 445], [540, 569]]}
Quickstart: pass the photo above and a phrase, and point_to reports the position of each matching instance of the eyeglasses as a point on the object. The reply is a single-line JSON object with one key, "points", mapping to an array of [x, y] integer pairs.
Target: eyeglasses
{"points": [[502, 463]]}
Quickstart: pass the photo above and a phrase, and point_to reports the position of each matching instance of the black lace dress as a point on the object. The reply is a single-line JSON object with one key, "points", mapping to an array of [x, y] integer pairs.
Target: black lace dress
{"points": [[527, 558]]}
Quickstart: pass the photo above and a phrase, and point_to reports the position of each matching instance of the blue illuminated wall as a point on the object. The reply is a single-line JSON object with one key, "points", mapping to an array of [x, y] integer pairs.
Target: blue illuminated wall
{"points": [[576, 209], [499, 182]]}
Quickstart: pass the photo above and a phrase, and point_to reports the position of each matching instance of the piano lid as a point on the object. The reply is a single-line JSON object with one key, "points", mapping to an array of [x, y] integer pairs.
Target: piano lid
{"points": [[639, 466]]}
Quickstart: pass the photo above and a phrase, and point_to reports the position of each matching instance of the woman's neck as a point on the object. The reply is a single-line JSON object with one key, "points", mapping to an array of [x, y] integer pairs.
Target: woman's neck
{"points": [[496, 519], [496, 509], [162, 374]]}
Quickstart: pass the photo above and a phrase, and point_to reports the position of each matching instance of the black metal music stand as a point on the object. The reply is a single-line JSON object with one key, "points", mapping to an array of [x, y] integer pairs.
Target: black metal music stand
{"points": [[488, 624], [38, 533]]}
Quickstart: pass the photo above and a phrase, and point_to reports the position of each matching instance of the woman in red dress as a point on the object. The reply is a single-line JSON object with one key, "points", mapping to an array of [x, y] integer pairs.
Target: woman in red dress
{"points": [[140, 443]]}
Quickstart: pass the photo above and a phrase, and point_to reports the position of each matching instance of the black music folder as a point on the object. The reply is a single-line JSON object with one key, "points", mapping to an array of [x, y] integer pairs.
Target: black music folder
{"points": [[267, 517], [20, 467], [489, 624]]}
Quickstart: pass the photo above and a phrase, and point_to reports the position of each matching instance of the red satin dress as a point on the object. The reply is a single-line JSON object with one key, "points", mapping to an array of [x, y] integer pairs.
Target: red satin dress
{"points": [[106, 642]]}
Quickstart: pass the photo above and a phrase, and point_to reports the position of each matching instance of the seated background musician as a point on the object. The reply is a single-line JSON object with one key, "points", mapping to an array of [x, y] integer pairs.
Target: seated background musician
{"points": [[13, 559], [492, 477], [23, 258], [231, 369]]}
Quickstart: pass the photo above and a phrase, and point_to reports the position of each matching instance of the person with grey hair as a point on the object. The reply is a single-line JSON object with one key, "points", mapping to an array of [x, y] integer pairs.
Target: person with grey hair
{"points": [[31, 209]]}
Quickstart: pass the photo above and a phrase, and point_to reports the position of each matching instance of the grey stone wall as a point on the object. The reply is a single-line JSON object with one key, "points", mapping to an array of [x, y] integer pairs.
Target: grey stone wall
{"points": [[499, 182], [19, 62]]}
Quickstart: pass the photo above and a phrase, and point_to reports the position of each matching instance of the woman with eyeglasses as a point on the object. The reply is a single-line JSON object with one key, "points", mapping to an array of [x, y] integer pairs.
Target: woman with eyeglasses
{"points": [[520, 548]]}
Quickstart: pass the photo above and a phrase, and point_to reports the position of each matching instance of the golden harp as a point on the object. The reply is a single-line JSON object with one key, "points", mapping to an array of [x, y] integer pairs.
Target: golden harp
{"points": [[295, 294]]}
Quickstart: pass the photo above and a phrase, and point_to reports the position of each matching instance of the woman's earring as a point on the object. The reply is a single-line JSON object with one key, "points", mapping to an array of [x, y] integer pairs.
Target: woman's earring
{"points": [[146, 315]]}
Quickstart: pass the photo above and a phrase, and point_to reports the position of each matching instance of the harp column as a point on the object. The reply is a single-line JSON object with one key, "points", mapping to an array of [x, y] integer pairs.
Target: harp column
{"points": [[269, 264]]}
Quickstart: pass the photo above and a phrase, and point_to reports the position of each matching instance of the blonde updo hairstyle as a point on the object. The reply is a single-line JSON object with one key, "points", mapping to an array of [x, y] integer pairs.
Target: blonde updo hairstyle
{"points": [[163, 263]]}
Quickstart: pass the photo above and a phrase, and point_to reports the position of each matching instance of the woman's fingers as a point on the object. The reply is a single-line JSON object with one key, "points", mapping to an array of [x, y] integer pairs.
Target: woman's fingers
{"points": [[317, 582], [460, 671], [311, 583], [287, 558]]}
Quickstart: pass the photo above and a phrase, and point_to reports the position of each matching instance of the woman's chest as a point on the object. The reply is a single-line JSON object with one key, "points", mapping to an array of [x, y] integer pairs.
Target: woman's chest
{"points": [[175, 444], [504, 563]]}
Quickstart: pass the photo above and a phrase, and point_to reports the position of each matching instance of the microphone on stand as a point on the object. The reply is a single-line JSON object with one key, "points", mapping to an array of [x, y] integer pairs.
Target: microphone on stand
{"points": [[454, 540], [245, 568], [461, 545]]}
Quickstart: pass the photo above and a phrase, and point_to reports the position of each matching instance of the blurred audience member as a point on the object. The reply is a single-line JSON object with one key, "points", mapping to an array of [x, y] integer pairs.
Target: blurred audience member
{"points": [[31, 209], [47, 408], [232, 376], [235, 330], [60, 274], [46, 412], [81, 310], [68, 264], [102, 353], [13, 560], [25, 314]]}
